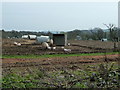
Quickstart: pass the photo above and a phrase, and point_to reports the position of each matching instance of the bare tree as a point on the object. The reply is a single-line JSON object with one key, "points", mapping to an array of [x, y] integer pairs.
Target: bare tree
{"points": [[113, 31], [113, 34]]}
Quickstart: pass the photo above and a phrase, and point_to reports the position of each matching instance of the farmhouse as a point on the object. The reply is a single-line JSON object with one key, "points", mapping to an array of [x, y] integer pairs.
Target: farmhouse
{"points": [[78, 38]]}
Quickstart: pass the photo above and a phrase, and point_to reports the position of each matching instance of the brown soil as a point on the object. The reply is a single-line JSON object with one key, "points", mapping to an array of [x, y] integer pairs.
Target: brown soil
{"points": [[57, 61], [29, 47]]}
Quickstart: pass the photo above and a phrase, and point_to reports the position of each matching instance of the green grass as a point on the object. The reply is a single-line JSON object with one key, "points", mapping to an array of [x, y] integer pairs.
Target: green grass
{"points": [[56, 55]]}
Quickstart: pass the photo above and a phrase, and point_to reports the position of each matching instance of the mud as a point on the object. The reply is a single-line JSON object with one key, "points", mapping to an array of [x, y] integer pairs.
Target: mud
{"points": [[31, 47], [54, 61]]}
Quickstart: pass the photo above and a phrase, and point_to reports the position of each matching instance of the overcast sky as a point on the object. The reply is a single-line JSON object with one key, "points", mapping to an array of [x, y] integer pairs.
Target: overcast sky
{"points": [[54, 16]]}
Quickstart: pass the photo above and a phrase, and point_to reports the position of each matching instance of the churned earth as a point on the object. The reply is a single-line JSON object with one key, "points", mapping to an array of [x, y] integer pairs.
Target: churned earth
{"points": [[57, 62]]}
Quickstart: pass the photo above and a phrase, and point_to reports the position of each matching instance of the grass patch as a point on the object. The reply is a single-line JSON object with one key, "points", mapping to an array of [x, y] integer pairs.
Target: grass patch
{"points": [[56, 55]]}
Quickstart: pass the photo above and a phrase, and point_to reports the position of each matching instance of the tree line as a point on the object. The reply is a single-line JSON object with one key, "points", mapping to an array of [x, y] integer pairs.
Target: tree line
{"points": [[111, 33]]}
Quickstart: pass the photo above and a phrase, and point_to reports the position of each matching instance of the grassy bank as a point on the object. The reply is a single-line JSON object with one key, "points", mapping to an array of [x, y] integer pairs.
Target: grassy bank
{"points": [[56, 55]]}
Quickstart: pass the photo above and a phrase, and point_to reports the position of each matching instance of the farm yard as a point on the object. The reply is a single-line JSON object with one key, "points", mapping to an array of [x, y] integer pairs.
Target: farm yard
{"points": [[31, 47], [85, 66]]}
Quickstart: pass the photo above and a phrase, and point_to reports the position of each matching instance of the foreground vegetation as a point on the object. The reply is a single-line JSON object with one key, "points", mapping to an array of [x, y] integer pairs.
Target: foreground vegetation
{"points": [[104, 75]]}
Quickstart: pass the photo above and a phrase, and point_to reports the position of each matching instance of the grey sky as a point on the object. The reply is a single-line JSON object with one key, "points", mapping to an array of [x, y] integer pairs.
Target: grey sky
{"points": [[119, 14], [58, 15], [0, 15]]}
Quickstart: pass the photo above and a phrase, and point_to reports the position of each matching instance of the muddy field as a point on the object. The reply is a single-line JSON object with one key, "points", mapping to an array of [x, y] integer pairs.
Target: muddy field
{"points": [[66, 72], [57, 60], [55, 72], [31, 47], [55, 63]]}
